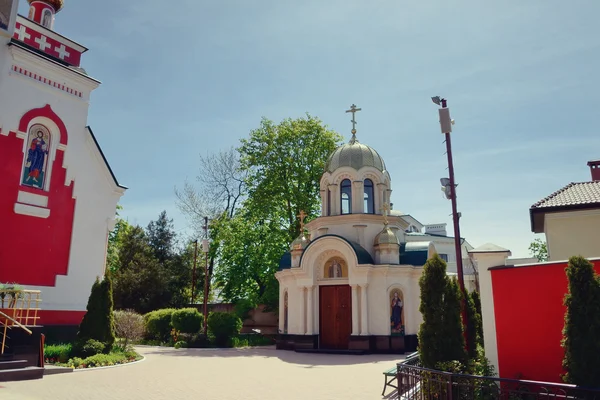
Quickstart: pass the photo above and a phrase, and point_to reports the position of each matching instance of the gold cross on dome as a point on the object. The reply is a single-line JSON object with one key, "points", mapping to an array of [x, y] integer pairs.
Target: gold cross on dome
{"points": [[385, 208], [302, 215], [353, 110]]}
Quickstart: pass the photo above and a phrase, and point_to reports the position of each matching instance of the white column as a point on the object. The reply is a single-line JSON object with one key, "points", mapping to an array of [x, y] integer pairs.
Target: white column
{"points": [[302, 309], [486, 258], [364, 317], [309, 310], [380, 199], [354, 310], [281, 308], [358, 199], [333, 198], [324, 202]]}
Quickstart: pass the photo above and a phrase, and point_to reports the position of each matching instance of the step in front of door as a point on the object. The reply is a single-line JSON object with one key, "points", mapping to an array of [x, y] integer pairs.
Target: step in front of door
{"points": [[21, 374]]}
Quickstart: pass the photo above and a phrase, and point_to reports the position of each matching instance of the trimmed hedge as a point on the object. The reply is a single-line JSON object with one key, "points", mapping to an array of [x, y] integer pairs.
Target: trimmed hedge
{"points": [[224, 327], [158, 324], [187, 320], [57, 353]]}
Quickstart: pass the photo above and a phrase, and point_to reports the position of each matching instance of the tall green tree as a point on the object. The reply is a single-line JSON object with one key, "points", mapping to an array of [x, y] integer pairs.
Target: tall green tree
{"points": [[115, 238], [476, 299], [581, 333], [140, 282], [161, 237], [539, 249], [98, 322], [285, 163], [441, 333], [249, 254]]}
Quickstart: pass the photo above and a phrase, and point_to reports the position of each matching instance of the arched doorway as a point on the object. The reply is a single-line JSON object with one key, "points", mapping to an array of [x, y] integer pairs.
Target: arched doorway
{"points": [[335, 306]]}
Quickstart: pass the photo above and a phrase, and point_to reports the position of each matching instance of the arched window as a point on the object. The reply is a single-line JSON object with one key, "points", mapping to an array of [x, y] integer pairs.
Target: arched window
{"points": [[346, 192], [36, 163], [369, 197]]}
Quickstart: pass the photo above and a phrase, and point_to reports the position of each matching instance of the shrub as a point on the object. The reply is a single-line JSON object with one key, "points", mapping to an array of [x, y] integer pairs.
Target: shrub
{"points": [[88, 348], [158, 324], [180, 344], [187, 320], [103, 360], [224, 327], [98, 323], [129, 326], [198, 340], [582, 324], [243, 308], [58, 353]]}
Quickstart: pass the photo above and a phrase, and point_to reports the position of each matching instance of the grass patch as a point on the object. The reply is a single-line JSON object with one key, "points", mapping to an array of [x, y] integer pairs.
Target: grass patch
{"points": [[61, 355]]}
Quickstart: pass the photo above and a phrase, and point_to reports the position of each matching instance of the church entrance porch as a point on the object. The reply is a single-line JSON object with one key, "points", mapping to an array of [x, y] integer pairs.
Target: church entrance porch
{"points": [[335, 317]]}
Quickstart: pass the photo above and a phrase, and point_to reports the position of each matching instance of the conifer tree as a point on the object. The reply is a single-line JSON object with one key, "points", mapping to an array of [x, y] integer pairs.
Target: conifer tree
{"points": [[433, 284], [479, 326], [98, 322], [581, 333], [453, 336]]}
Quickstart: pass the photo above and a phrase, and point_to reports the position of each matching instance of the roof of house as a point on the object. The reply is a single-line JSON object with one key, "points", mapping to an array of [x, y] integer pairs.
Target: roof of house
{"points": [[414, 254], [574, 196]]}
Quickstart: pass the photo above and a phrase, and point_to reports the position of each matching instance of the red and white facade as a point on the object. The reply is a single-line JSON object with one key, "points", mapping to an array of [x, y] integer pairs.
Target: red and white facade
{"points": [[57, 193]]}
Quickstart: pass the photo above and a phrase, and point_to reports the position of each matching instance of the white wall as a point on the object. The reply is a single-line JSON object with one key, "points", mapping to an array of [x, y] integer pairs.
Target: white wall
{"points": [[572, 233]]}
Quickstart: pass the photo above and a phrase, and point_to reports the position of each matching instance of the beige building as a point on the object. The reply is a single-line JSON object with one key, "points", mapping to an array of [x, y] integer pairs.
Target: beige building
{"points": [[570, 218]]}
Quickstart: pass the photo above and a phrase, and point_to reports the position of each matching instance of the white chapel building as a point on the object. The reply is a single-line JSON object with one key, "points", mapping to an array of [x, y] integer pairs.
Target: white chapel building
{"points": [[352, 282]]}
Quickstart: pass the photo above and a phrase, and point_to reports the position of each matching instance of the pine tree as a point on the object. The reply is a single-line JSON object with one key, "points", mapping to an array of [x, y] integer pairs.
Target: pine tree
{"points": [[581, 333], [452, 334], [161, 237], [433, 285]]}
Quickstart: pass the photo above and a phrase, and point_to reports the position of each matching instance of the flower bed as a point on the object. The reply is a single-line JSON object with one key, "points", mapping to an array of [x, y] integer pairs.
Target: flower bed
{"points": [[60, 355]]}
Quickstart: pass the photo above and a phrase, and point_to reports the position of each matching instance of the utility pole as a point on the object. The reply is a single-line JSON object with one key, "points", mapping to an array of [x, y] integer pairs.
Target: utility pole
{"points": [[194, 273], [446, 125], [205, 245]]}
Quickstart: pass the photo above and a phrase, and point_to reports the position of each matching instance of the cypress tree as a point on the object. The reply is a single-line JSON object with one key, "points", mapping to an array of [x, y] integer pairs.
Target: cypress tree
{"points": [[433, 283], [453, 336], [98, 321], [581, 333], [473, 324], [479, 328]]}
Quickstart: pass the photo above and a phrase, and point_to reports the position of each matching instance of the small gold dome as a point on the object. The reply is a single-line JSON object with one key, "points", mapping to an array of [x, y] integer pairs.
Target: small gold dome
{"points": [[56, 4], [386, 236], [300, 243]]}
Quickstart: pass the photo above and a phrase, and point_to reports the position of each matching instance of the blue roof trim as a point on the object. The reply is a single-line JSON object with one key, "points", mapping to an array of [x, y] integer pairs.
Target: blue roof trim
{"points": [[412, 257], [362, 255], [285, 262], [104, 158]]}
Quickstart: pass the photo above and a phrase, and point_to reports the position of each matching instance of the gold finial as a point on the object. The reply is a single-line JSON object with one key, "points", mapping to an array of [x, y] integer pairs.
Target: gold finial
{"points": [[302, 215], [385, 208], [353, 110]]}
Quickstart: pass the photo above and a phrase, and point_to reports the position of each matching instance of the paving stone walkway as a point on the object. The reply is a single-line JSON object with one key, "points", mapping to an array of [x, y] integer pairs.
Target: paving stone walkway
{"points": [[219, 374]]}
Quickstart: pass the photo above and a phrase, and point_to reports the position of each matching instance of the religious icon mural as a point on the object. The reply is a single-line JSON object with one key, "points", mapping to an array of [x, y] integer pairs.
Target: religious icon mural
{"points": [[7, 8], [47, 19], [36, 156], [335, 268], [396, 316]]}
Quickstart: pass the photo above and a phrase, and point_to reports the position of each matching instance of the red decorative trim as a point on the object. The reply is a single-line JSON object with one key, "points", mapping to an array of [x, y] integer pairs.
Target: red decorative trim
{"points": [[39, 78], [46, 112], [39, 40], [59, 317]]}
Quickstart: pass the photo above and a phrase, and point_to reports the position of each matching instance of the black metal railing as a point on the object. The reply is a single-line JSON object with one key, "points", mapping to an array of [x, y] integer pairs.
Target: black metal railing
{"points": [[418, 383]]}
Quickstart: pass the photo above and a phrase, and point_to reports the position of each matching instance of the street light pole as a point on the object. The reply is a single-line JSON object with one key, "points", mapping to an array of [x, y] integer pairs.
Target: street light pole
{"points": [[194, 273], [206, 277], [446, 125]]}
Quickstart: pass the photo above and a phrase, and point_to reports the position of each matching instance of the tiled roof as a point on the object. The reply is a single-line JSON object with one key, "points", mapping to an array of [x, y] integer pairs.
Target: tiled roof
{"points": [[574, 194]]}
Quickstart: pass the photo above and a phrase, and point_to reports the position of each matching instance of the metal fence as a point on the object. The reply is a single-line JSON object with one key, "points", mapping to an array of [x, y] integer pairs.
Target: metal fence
{"points": [[418, 383]]}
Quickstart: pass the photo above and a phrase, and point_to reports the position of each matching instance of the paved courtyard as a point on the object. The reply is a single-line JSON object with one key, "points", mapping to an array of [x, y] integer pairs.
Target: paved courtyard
{"points": [[206, 374]]}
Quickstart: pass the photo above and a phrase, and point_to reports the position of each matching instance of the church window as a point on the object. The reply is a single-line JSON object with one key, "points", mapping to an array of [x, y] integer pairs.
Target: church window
{"points": [[444, 257], [346, 192], [36, 157], [47, 19], [369, 197], [346, 189]]}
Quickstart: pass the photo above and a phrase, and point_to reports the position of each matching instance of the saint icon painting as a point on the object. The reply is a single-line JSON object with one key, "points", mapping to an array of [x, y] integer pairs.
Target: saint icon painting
{"points": [[396, 320], [335, 269], [36, 157]]}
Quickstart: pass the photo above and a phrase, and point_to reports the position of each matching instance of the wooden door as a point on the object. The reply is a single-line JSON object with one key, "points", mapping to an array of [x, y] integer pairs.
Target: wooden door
{"points": [[335, 316]]}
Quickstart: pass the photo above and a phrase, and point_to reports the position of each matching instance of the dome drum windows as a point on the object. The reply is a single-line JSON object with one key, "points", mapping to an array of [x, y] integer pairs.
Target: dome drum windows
{"points": [[346, 196], [369, 197]]}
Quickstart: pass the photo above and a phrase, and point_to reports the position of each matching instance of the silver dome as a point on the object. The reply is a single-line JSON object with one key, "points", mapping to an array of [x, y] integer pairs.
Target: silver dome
{"points": [[355, 155], [300, 243]]}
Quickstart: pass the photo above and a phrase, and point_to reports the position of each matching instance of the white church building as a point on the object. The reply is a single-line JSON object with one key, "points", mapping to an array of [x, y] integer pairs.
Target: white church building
{"points": [[351, 283]]}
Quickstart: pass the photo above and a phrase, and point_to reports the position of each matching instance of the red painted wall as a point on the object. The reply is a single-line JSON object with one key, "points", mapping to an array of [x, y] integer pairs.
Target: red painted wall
{"points": [[33, 251], [51, 317], [529, 310]]}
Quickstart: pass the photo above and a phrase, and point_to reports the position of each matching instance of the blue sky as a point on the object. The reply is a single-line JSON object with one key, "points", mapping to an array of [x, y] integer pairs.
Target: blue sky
{"points": [[191, 77]]}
